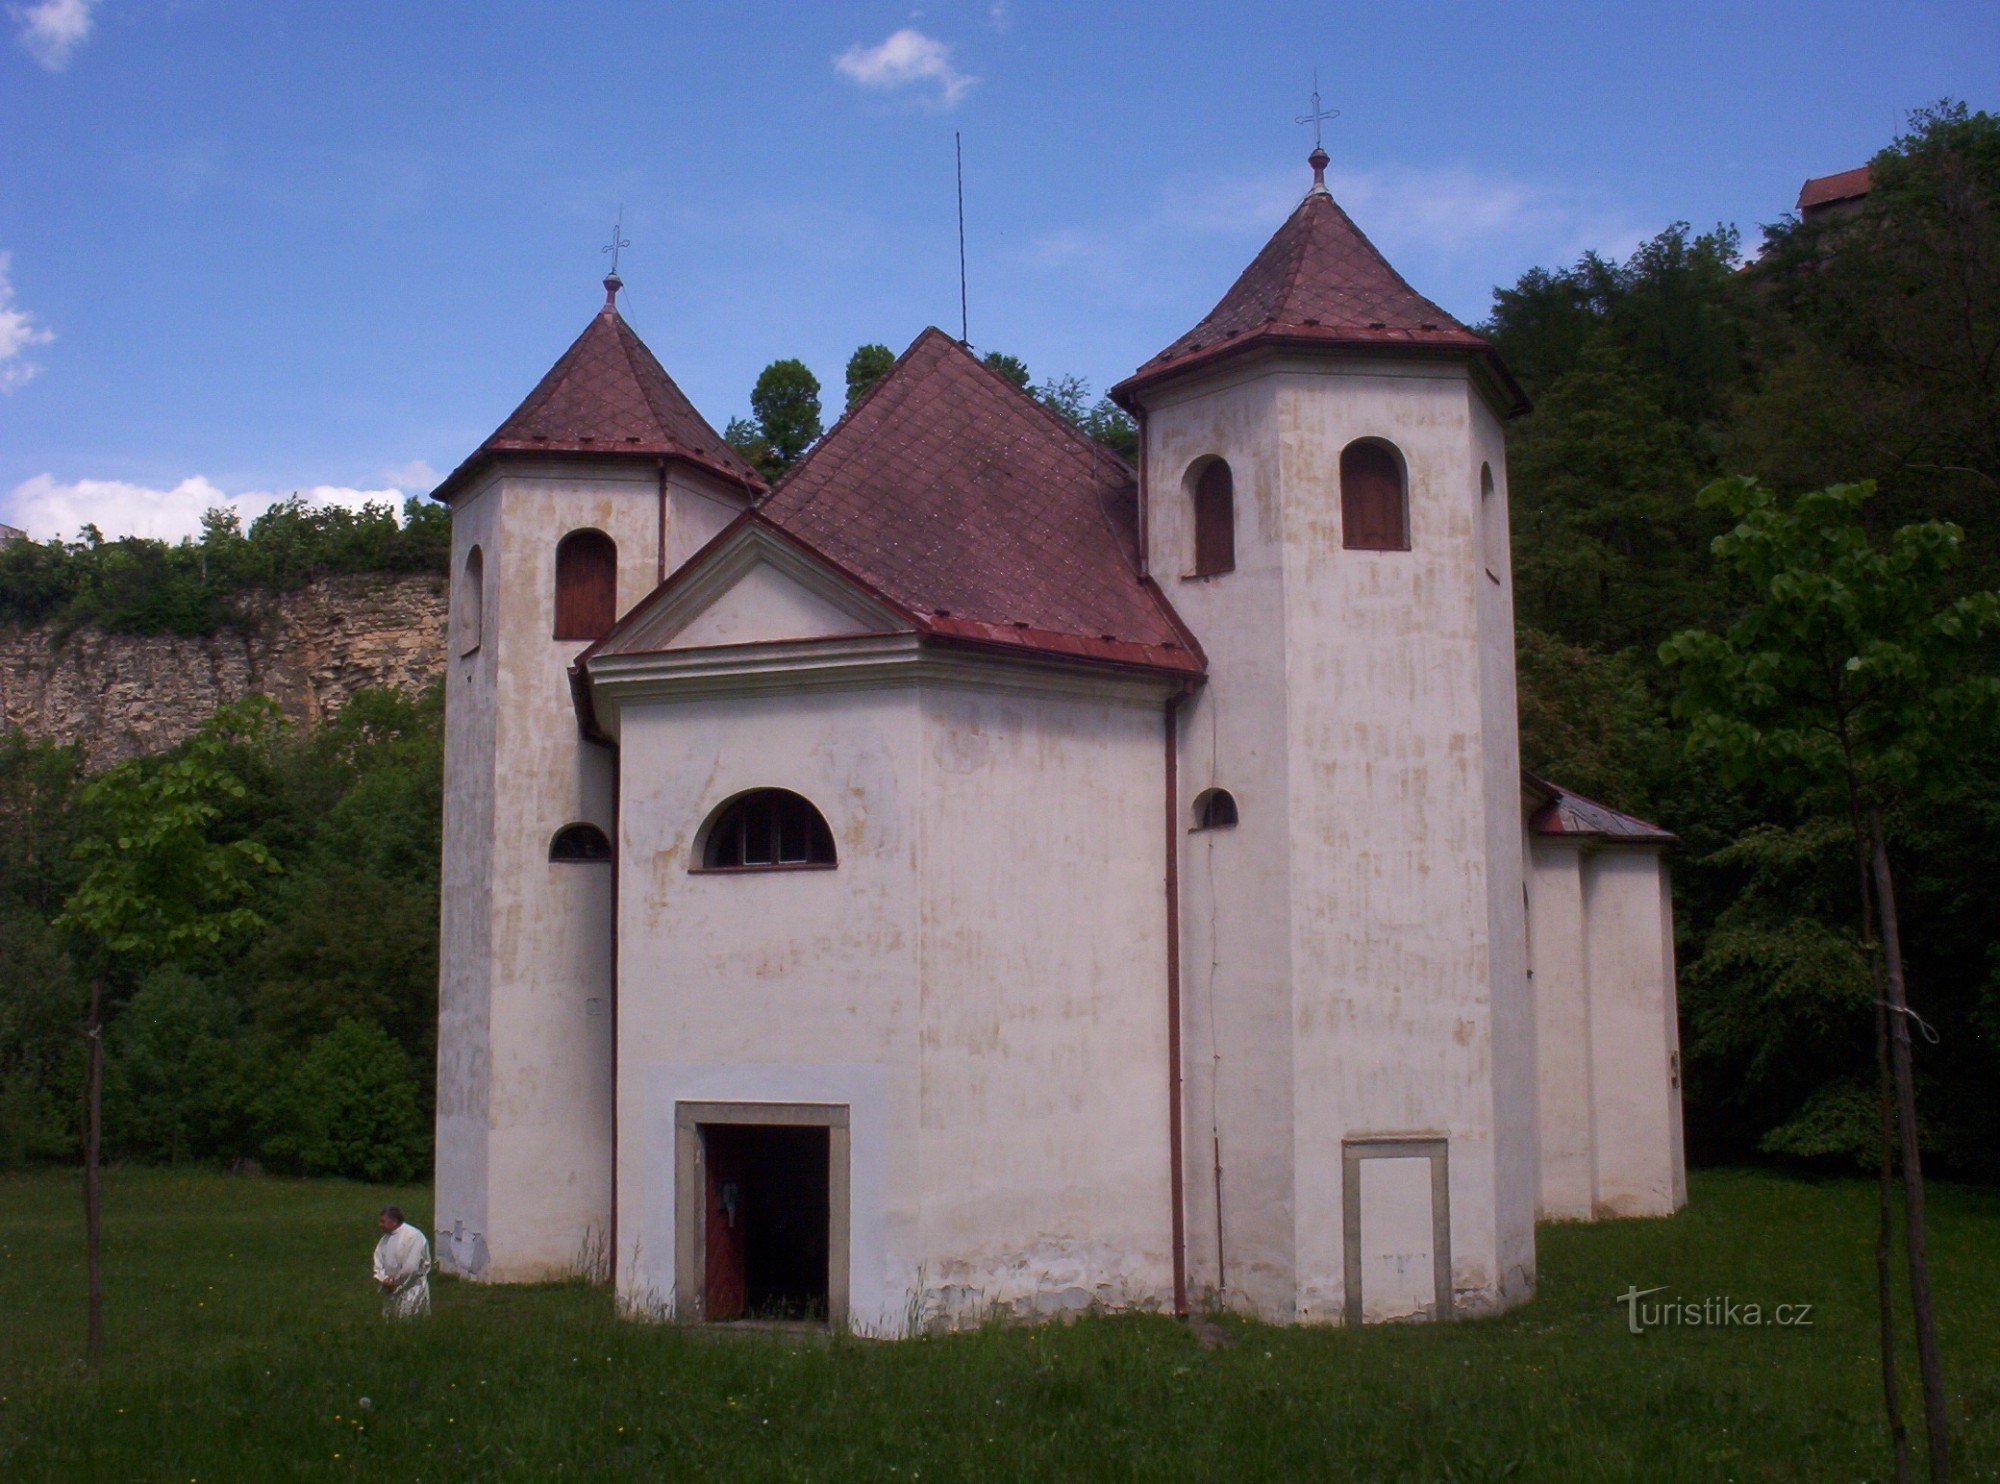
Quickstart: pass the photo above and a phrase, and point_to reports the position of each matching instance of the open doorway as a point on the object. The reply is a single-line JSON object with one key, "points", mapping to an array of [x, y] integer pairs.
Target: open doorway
{"points": [[761, 1198]]}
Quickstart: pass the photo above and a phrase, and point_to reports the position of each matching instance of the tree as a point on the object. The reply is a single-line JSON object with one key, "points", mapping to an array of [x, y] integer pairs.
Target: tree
{"points": [[1847, 681], [157, 882], [865, 367], [1012, 367], [785, 402], [351, 1107]]}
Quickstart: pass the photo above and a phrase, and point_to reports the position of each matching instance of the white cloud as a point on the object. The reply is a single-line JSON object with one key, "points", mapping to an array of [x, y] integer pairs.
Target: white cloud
{"points": [[46, 507], [18, 331], [416, 477], [907, 59], [52, 29]]}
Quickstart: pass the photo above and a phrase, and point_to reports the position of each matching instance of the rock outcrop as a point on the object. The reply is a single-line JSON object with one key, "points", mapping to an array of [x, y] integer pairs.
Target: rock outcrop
{"points": [[119, 695]]}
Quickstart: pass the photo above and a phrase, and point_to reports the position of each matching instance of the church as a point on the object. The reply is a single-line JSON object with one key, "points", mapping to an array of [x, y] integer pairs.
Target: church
{"points": [[976, 874]]}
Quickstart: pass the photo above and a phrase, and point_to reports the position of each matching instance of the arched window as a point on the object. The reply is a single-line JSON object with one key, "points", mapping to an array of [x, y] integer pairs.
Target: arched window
{"points": [[469, 613], [1492, 526], [1214, 520], [766, 829], [586, 585], [1374, 509], [579, 842], [1215, 809]]}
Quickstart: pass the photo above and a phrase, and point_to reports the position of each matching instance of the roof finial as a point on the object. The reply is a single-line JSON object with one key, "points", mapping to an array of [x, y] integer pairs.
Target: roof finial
{"points": [[612, 282], [1318, 158]]}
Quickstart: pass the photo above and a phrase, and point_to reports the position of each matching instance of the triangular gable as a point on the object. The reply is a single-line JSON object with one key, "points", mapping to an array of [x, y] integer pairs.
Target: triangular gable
{"points": [[751, 585]]}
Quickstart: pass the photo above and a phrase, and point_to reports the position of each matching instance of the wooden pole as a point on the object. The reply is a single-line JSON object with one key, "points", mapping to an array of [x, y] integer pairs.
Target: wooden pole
{"points": [[1929, 1368], [1885, 1174], [93, 1126]]}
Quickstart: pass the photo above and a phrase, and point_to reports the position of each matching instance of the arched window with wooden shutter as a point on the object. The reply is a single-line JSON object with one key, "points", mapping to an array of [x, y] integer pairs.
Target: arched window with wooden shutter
{"points": [[586, 585], [1374, 501], [1214, 520]]}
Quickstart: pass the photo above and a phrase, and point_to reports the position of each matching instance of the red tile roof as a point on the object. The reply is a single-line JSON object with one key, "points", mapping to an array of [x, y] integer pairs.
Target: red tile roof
{"points": [[963, 502], [1572, 815], [607, 395], [1826, 190], [1320, 282]]}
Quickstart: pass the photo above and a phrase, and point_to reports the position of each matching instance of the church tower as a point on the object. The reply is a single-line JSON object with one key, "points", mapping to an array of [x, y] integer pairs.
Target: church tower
{"points": [[575, 509], [1325, 491]]}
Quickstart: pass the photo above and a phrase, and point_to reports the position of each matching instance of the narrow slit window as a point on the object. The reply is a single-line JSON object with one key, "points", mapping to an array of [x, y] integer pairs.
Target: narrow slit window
{"points": [[471, 602], [767, 829], [586, 585], [1492, 525], [1374, 503], [1214, 520], [1215, 809], [580, 842]]}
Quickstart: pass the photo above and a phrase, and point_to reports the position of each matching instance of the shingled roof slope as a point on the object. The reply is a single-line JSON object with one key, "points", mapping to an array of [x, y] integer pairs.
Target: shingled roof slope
{"points": [[1826, 190], [963, 501], [1575, 817], [1319, 281], [607, 394]]}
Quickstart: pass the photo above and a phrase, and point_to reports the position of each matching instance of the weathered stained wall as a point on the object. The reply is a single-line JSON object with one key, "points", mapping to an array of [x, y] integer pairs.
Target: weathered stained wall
{"points": [[120, 695], [1361, 706], [981, 980], [527, 1016], [1607, 1032]]}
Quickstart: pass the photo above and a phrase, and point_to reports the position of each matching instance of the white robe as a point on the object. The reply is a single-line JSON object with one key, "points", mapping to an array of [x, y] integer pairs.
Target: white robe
{"points": [[404, 1257]]}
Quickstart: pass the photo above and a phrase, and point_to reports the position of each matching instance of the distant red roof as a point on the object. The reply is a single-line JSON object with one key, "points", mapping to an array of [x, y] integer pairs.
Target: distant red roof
{"points": [[1572, 815], [1320, 282], [607, 396], [981, 516], [1828, 190]]}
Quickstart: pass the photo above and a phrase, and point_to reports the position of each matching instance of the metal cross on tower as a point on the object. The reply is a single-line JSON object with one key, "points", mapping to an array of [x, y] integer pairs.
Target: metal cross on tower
{"points": [[1318, 114], [618, 238]]}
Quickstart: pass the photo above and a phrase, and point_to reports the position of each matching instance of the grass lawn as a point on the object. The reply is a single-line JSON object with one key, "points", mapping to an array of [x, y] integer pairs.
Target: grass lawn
{"points": [[243, 1335]]}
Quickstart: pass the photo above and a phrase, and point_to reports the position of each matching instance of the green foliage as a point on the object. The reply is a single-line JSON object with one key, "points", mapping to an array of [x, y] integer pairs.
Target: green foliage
{"points": [[865, 367], [179, 1083], [140, 586], [1012, 367], [201, 1032], [158, 881], [1849, 665], [785, 402], [1068, 397], [351, 1108]]}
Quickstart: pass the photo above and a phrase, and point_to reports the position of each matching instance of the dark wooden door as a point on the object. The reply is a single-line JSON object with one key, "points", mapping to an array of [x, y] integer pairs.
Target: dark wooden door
{"points": [[726, 1274]]}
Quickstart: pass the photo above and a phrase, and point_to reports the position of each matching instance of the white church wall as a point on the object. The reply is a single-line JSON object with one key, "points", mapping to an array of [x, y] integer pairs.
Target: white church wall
{"points": [[1235, 883], [1043, 1152], [735, 982], [1406, 889], [547, 1063], [1607, 1035], [1634, 1036], [1484, 492], [1562, 1032], [465, 888], [1368, 696]]}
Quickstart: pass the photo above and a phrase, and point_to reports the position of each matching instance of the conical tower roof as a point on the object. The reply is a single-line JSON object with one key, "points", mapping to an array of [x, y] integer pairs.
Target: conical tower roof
{"points": [[1320, 282], [607, 396]]}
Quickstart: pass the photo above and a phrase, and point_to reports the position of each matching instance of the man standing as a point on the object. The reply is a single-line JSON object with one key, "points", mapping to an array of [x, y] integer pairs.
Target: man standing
{"points": [[402, 1267]]}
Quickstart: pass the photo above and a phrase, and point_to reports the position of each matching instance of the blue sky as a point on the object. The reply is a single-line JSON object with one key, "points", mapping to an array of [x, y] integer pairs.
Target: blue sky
{"points": [[253, 247]]}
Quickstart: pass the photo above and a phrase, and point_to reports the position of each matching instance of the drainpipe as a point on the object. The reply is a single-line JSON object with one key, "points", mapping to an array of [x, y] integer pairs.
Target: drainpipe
{"points": [[1173, 845], [617, 786]]}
